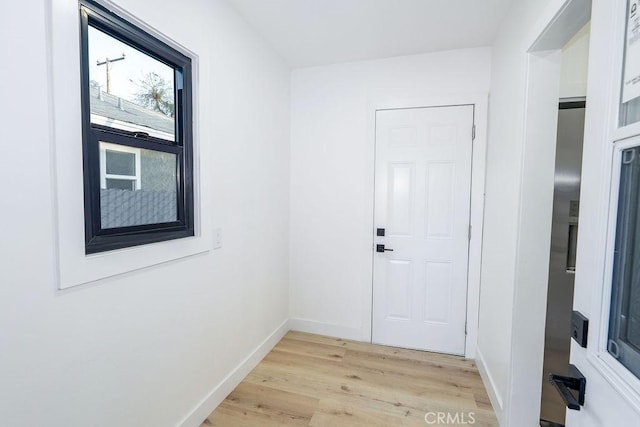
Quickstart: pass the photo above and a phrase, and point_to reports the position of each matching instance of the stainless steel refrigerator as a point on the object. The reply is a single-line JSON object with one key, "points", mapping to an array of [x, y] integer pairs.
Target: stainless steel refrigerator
{"points": [[564, 231]]}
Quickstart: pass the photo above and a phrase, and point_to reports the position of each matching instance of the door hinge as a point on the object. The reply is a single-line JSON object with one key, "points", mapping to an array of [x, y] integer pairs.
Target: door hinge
{"points": [[465, 327], [469, 232], [473, 132]]}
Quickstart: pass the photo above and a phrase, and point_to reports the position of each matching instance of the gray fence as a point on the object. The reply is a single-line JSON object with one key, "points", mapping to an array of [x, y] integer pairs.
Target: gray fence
{"points": [[123, 208]]}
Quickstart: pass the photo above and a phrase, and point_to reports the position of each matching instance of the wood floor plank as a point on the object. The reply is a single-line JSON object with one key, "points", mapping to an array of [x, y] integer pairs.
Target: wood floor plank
{"points": [[345, 388], [231, 416], [316, 350], [425, 356], [266, 399], [417, 370], [314, 380], [339, 413]]}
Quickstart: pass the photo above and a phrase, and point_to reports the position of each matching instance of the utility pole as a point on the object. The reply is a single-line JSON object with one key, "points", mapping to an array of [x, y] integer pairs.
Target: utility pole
{"points": [[108, 63]]}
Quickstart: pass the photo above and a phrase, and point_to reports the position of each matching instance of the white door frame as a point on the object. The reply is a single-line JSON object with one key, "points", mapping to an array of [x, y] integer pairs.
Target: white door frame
{"points": [[559, 22], [478, 166]]}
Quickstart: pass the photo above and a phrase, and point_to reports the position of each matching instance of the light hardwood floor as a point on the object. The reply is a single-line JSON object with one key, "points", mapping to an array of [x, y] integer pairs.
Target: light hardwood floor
{"points": [[312, 380]]}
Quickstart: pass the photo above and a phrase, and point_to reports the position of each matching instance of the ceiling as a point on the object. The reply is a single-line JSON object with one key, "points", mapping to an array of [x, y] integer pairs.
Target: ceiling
{"points": [[320, 32]]}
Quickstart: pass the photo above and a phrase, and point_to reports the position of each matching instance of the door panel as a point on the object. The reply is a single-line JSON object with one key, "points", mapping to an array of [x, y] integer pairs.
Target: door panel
{"points": [[440, 200], [438, 284], [398, 297], [422, 191], [401, 186]]}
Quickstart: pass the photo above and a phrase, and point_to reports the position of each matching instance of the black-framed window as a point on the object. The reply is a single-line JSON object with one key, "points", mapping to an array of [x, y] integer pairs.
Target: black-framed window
{"points": [[137, 134]]}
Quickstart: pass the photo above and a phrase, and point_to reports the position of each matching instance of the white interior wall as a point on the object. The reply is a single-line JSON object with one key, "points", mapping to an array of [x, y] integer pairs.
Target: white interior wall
{"points": [[332, 176], [147, 347], [552, 74], [502, 226], [575, 65], [511, 338]]}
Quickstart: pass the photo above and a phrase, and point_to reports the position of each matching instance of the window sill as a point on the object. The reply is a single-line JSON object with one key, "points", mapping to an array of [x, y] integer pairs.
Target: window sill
{"points": [[76, 268]]}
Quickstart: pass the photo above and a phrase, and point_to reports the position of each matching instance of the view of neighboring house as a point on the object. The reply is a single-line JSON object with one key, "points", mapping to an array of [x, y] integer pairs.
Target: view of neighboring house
{"points": [[138, 186]]}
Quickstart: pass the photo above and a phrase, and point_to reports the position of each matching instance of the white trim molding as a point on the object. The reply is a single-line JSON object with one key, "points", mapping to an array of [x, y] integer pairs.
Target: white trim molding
{"points": [[328, 329], [489, 383], [217, 395]]}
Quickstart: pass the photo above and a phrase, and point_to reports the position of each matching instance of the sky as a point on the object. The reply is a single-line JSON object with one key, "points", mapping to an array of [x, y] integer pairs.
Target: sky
{"points": [[125, 73]]}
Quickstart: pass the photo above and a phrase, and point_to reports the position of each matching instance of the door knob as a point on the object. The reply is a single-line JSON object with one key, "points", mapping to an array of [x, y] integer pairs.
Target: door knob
{"points": [[380, 248]]}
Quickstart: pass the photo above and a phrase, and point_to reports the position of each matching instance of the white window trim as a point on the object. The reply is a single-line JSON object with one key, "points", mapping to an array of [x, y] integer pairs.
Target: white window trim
{"points": [[73, 266], [106, 146], [625, 381]]}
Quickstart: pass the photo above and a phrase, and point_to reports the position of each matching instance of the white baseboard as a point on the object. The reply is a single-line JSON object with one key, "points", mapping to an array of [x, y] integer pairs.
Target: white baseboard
{"points": [[328, 329], [490, 386], [235, 377]]}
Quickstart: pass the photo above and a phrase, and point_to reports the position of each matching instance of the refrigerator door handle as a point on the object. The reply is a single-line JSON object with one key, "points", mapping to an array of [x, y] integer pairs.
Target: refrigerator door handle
{"points": [[572, 247]]}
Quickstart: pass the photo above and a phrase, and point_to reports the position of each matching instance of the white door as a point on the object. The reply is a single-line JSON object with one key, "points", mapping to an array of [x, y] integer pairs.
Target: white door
{"points": [[607, 287], [422, 202], [610, 363]]}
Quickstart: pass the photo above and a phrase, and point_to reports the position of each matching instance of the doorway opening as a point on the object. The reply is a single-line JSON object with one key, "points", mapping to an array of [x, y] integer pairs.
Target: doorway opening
{"points": [[565, 220], [562, 258]]}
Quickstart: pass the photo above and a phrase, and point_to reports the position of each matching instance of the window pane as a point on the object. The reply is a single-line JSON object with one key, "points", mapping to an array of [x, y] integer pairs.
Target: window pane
{"points": [[129, 89], [624, 322], [154, 200], [120, 163], [121, 184]]}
